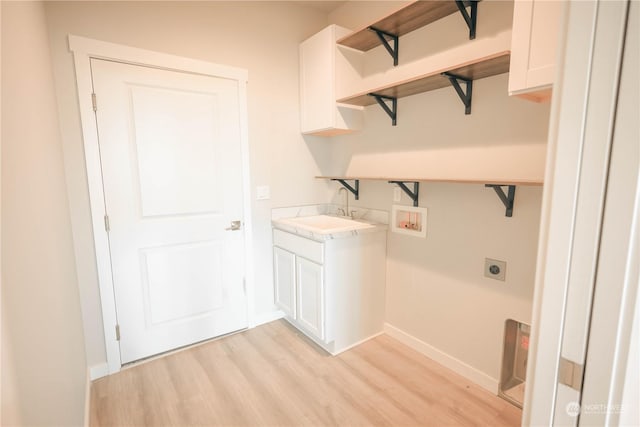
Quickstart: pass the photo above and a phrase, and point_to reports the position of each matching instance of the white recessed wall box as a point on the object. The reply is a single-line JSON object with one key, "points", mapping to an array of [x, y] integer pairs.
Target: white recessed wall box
{"points": [[409, 220]]}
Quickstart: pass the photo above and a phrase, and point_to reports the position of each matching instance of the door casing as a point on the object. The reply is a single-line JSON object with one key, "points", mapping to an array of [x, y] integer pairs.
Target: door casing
{"points": [[83, 50], [577, 184]]}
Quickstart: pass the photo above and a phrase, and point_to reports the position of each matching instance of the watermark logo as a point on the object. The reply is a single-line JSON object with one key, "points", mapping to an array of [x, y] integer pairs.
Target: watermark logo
{"points": [[573, 409]]}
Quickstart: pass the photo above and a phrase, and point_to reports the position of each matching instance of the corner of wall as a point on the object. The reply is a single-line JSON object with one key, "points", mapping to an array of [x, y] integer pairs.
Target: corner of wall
{"points": [[87, 399], [459, 367]]}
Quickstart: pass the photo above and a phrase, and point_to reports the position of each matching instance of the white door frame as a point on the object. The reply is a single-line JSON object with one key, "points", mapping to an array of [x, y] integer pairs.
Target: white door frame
{"points": [[577, 194], [84, 49]]}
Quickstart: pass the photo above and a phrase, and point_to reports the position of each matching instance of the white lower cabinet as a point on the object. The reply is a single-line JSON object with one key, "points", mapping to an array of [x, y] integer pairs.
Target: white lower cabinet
{"points": [[284, 269], [332, 291], [310, 297]]}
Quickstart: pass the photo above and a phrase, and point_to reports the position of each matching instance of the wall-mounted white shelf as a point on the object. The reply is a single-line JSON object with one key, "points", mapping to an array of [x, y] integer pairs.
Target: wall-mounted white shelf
{"points": [[467, 71], [497, 185], [406, 19], [489, 180]]}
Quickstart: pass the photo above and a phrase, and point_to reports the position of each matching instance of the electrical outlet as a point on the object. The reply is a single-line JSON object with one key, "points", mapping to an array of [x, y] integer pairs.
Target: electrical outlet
{"points": [[495, 269], [397, 194]]}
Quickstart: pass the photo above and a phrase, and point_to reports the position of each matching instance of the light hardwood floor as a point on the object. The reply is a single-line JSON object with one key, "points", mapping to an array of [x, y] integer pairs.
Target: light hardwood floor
{"points": [[272, 375]]}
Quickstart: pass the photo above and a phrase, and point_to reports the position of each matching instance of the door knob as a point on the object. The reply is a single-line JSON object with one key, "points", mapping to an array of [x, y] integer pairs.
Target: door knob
{"points": [[235, 225]]}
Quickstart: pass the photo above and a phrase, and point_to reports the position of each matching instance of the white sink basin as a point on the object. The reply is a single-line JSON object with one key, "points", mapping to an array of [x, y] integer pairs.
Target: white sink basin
{"points": [[324, 224]]}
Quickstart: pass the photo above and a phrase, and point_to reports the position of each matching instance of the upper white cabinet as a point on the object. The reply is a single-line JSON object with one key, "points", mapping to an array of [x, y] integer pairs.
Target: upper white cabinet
{"points": [[533, 48], [322, 68]]}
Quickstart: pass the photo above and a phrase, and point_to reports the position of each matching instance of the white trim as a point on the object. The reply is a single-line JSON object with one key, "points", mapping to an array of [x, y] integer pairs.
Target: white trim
{"points": [[547, 322], [96, 202], [469, 372], [262, 318], [579, 139], [246, 204], [87, 400], [83, 50], [133, 55], [98, 371]]}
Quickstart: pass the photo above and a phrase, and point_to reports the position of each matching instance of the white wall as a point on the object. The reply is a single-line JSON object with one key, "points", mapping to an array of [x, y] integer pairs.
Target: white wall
{"points": [[43, 359], [262, 37], [357, 15], [467, 222], [436, 291]]}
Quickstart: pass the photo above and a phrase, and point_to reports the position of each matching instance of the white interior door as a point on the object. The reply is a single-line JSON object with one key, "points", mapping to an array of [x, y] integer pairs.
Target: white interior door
{"points": [[172, 175]]}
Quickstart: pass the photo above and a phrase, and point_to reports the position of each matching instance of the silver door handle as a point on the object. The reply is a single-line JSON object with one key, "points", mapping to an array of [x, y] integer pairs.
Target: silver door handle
{"points": [[235, 225]]}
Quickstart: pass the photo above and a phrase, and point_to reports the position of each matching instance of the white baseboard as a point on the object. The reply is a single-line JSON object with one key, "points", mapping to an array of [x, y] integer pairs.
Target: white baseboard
{"points": [[459, 367], [98, 371], [262, 318], [87, 399]]}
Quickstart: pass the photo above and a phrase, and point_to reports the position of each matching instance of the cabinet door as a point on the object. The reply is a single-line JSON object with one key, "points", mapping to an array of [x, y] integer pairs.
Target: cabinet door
{"points": [[534, 40], [284, 271], [320, 62], [310, 297], [317, 81]]}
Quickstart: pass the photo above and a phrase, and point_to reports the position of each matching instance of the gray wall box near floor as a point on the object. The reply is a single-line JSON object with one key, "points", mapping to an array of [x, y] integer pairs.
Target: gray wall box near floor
{"points": [[514, 361]]}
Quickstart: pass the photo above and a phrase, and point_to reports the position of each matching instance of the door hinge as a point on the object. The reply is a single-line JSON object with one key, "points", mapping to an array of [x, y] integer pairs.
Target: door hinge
{"points": [[117, 332], [570, 374], [244, 285], [107, 226], [94, 102]]}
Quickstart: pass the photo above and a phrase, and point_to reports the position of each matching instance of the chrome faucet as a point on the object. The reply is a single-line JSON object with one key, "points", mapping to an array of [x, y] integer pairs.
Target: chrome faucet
{"points": [[345, 211]]}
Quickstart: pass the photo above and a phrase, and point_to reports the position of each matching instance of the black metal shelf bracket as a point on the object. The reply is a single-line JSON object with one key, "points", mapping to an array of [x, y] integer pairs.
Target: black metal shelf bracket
{"points": [[355, 189], [391, 112], [469, 18], [412, 194], [465, 96], [506, 199], [393, 51]]}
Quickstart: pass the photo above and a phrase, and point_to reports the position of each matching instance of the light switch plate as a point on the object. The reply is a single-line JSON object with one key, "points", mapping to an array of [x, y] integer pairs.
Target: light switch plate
{"points": [[263, 192], [495, 269]]}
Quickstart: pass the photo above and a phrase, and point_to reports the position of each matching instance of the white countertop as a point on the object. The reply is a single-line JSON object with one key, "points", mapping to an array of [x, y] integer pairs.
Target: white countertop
{"points": [[327, 227]]}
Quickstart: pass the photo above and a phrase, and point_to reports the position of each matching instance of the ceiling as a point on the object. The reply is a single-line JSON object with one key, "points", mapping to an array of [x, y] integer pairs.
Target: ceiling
{"points": [[325, 6]]}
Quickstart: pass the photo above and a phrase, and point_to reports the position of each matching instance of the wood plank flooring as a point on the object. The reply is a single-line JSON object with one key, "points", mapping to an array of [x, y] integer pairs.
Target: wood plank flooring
{"points": [[273, 376]]}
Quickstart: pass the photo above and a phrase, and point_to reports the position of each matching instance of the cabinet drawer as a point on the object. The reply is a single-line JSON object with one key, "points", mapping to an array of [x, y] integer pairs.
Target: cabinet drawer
{"points": [[305, 248]]}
